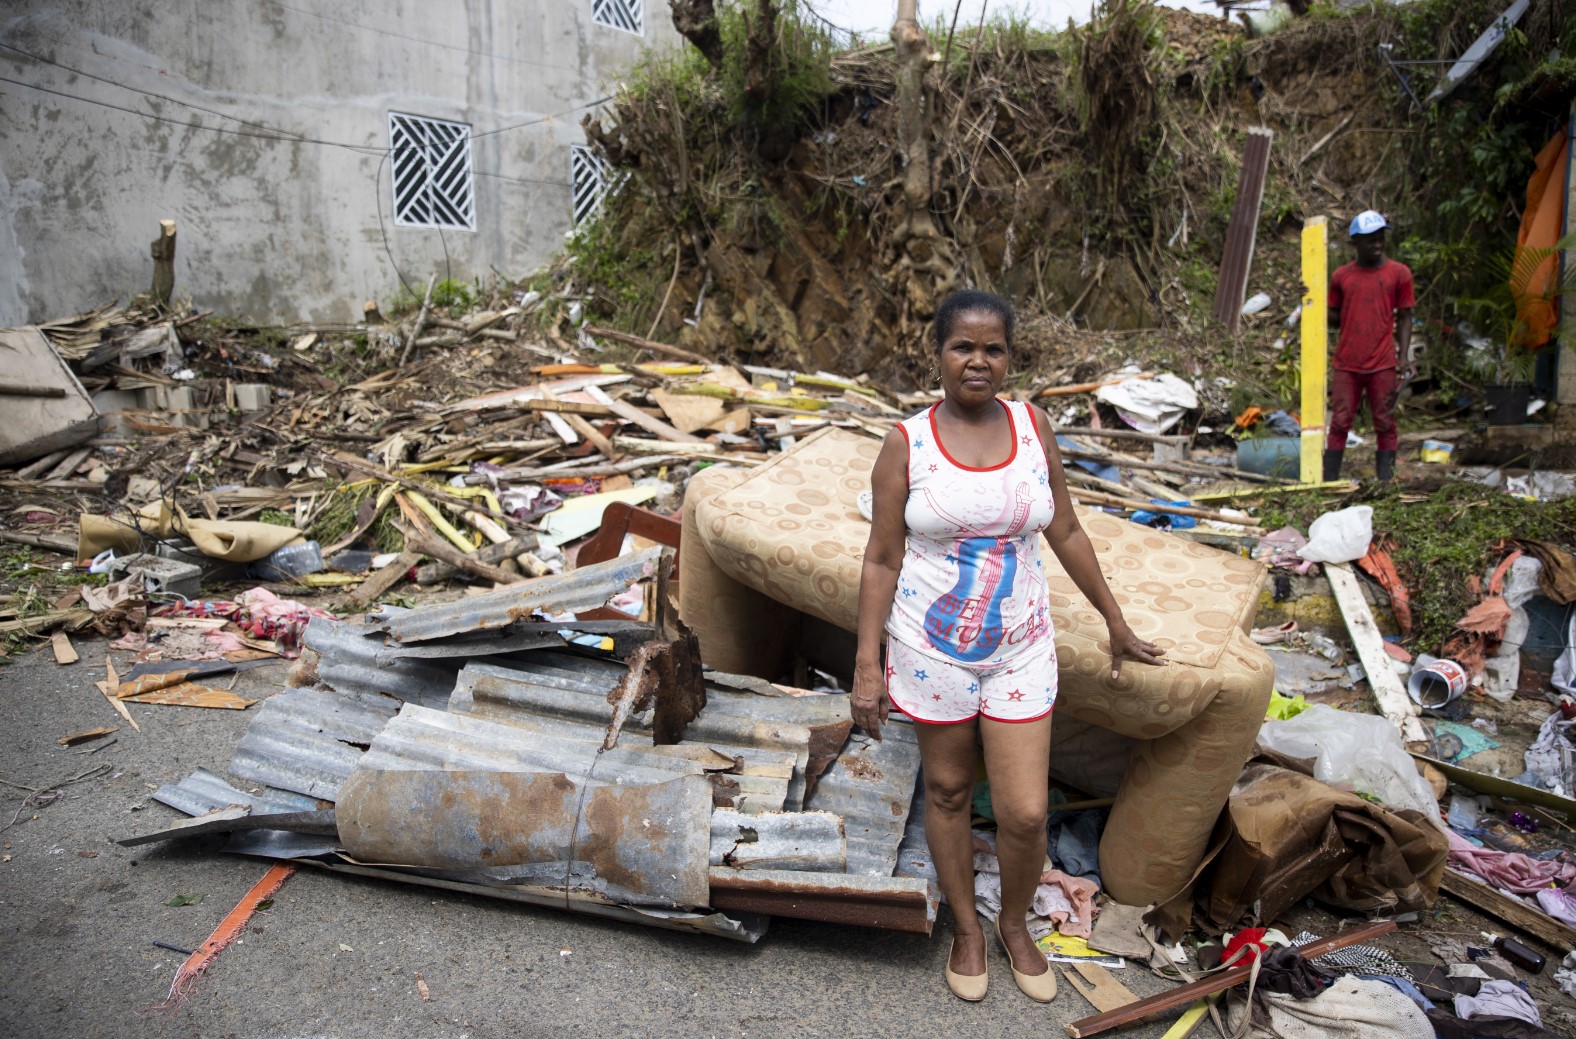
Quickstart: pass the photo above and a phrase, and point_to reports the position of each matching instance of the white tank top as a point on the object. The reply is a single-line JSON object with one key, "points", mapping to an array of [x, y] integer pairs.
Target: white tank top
{"points": [[972, 586]]}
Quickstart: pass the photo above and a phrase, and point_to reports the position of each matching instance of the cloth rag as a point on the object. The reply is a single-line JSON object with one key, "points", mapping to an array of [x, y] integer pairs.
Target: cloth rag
{"points": [[1510, 870], [1061, 903], [1348, 1009], [1499, 999]]}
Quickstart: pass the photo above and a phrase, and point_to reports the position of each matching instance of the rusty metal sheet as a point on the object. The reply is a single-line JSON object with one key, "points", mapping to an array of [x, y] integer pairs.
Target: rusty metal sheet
{"points": [[309, 740], [582, 589], [871, 786], [648, 843], [238, 819], [1242, 231], [892, 903], [799, 841]]}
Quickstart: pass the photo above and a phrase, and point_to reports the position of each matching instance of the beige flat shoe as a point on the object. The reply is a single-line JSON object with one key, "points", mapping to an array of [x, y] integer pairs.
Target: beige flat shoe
{"points": [[1039, 987], [966, 986]]}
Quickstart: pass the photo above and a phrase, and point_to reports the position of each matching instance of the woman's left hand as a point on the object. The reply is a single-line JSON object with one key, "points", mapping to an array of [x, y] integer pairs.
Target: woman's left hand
{"points": [[1125, 644]]}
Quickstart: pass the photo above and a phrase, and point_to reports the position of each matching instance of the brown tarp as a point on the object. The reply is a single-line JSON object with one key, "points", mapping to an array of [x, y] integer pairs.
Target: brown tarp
{"points": [[1287, 836]]}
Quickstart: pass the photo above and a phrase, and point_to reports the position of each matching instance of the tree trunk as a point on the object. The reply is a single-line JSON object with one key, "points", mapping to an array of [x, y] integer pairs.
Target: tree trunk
{"points": [[926, 267], [696, 21]]}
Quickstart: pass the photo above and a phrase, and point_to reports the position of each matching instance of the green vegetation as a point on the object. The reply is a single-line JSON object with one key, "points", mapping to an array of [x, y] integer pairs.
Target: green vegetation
{"points": [[338, 518], [35, 587], [1442, 541]]}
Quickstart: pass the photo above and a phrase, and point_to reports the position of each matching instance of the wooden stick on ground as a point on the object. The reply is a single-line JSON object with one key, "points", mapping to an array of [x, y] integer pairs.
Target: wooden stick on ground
{"points": [[645, 344], [1088, 497], [1184, 994], [52, 544], [432, 573], [421, 319]]}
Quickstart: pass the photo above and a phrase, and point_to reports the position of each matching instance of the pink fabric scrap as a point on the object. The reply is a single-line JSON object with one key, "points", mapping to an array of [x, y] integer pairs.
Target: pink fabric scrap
{"points": [[1067, 902], [1511, 870]]}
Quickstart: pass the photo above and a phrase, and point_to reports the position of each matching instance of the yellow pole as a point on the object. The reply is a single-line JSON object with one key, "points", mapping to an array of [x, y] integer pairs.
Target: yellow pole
{"points": [[1315, 344]]}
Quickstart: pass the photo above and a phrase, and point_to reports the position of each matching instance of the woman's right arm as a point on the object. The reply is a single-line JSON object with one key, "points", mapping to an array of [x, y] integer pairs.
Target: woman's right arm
{"points": [[878, 580]]}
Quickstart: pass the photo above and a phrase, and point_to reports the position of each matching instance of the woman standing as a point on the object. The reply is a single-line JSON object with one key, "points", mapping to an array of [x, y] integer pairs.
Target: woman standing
{"points": [[952, 573]]}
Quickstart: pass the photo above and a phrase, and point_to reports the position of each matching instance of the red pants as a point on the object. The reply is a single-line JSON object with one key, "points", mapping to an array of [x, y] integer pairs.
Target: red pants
{"points": [[1347, 390]]}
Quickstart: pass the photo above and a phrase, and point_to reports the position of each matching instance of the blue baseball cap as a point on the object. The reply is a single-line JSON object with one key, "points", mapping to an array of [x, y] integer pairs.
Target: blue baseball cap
{"points": [[1367, 222]]}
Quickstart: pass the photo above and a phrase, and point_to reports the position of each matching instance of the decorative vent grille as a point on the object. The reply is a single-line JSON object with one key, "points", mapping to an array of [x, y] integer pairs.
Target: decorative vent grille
{"points": [[432, 173], [588, 177], [629, 15]]}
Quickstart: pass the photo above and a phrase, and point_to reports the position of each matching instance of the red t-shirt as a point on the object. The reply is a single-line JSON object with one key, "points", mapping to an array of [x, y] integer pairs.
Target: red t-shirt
{"points": [[1366, 300]]}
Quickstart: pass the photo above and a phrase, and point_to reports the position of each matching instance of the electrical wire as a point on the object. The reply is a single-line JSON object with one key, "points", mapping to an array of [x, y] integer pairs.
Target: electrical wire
{"points": [[146, 93], [416, 39]]}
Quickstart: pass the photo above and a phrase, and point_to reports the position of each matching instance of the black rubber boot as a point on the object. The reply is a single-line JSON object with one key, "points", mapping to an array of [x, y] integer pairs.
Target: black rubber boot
{"points": [[1332, 465], [1385, 466]]}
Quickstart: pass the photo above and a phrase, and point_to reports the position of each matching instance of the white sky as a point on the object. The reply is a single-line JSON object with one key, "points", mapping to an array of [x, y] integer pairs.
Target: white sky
{"points": [[874, 17]]}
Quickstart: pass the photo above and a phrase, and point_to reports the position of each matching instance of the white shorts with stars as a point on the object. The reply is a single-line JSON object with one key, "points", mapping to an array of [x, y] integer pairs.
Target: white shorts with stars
{"points": [[930, 689]]}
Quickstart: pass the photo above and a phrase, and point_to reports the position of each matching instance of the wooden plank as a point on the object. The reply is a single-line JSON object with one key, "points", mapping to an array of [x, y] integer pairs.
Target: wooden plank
{"points": [[384, 579], [110, 687], [1314, 345], [32, 469], [65, 652], [1513, 911], [1094, 983], [629, 413], [1085, 496], [87, 734], [1394, 703]]}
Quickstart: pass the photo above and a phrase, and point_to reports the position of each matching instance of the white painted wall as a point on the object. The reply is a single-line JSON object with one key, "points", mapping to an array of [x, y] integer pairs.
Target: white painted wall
{"points": [[282, 231]]}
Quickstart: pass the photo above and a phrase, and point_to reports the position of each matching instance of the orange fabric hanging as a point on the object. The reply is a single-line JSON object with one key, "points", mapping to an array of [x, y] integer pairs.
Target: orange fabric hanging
{"points": [[1541, 225]]}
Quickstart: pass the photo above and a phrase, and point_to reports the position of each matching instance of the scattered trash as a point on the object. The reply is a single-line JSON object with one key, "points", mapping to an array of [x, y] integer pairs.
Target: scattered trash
{"points": [[1339, 537], [1434, 682]]}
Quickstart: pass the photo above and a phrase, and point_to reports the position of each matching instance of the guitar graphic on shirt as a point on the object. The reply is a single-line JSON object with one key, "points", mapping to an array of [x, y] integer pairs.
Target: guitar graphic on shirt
{"points": [[965, 622]]}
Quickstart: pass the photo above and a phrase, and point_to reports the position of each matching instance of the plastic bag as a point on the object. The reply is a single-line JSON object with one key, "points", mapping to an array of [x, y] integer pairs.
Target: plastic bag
{"points": [[1340, 537], [1360, 752]]}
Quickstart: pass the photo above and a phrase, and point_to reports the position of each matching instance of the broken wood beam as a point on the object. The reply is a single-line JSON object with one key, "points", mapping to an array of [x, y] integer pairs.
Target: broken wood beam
{"points": [[1394, 703], [49, 544], [385, 578], [163, 252], [1175, 468], [1184, 994], [641, 342], [1118, 434], [437, 548], [1513, 911], [432, 573]]}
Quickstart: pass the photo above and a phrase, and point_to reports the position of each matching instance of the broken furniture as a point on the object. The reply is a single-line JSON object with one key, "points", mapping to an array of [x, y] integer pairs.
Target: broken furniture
{"points": [[773, 552]]}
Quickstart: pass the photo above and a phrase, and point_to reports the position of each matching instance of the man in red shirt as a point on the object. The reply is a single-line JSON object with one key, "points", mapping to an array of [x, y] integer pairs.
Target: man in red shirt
{"points": [[1371, 304]]}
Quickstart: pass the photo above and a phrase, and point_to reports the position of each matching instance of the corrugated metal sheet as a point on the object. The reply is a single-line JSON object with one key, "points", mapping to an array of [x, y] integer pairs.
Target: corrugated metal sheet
{"points": [[801, 841], [566, 694], [582, 589], [309, 740], [645, 843], [871, 786], [203, 791], [1242, 231]]}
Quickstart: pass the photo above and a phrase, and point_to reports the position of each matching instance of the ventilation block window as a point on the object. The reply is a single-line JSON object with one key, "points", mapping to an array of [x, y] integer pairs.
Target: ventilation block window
{"points": [[432, 173], [588, 178], [629, 15]]}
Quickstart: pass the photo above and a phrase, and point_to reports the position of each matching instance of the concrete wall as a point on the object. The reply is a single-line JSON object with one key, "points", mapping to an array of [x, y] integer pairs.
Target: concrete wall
{"points": [[282, 231]]}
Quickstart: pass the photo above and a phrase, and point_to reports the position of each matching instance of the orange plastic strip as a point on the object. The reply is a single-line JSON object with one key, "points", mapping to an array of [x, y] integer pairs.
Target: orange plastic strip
{"points": [[228, 930]]}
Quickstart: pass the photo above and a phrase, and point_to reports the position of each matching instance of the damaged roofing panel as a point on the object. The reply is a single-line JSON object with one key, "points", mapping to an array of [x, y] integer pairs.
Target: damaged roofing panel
{"points": [[871, 786], [418, 738], [644, 843], [309, 740], [203, 791], [801, 841], [582, 589]]}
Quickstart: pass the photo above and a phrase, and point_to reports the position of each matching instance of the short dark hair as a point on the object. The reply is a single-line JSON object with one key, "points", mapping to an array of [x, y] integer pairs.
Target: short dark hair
{"points": [[969, 301]]}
